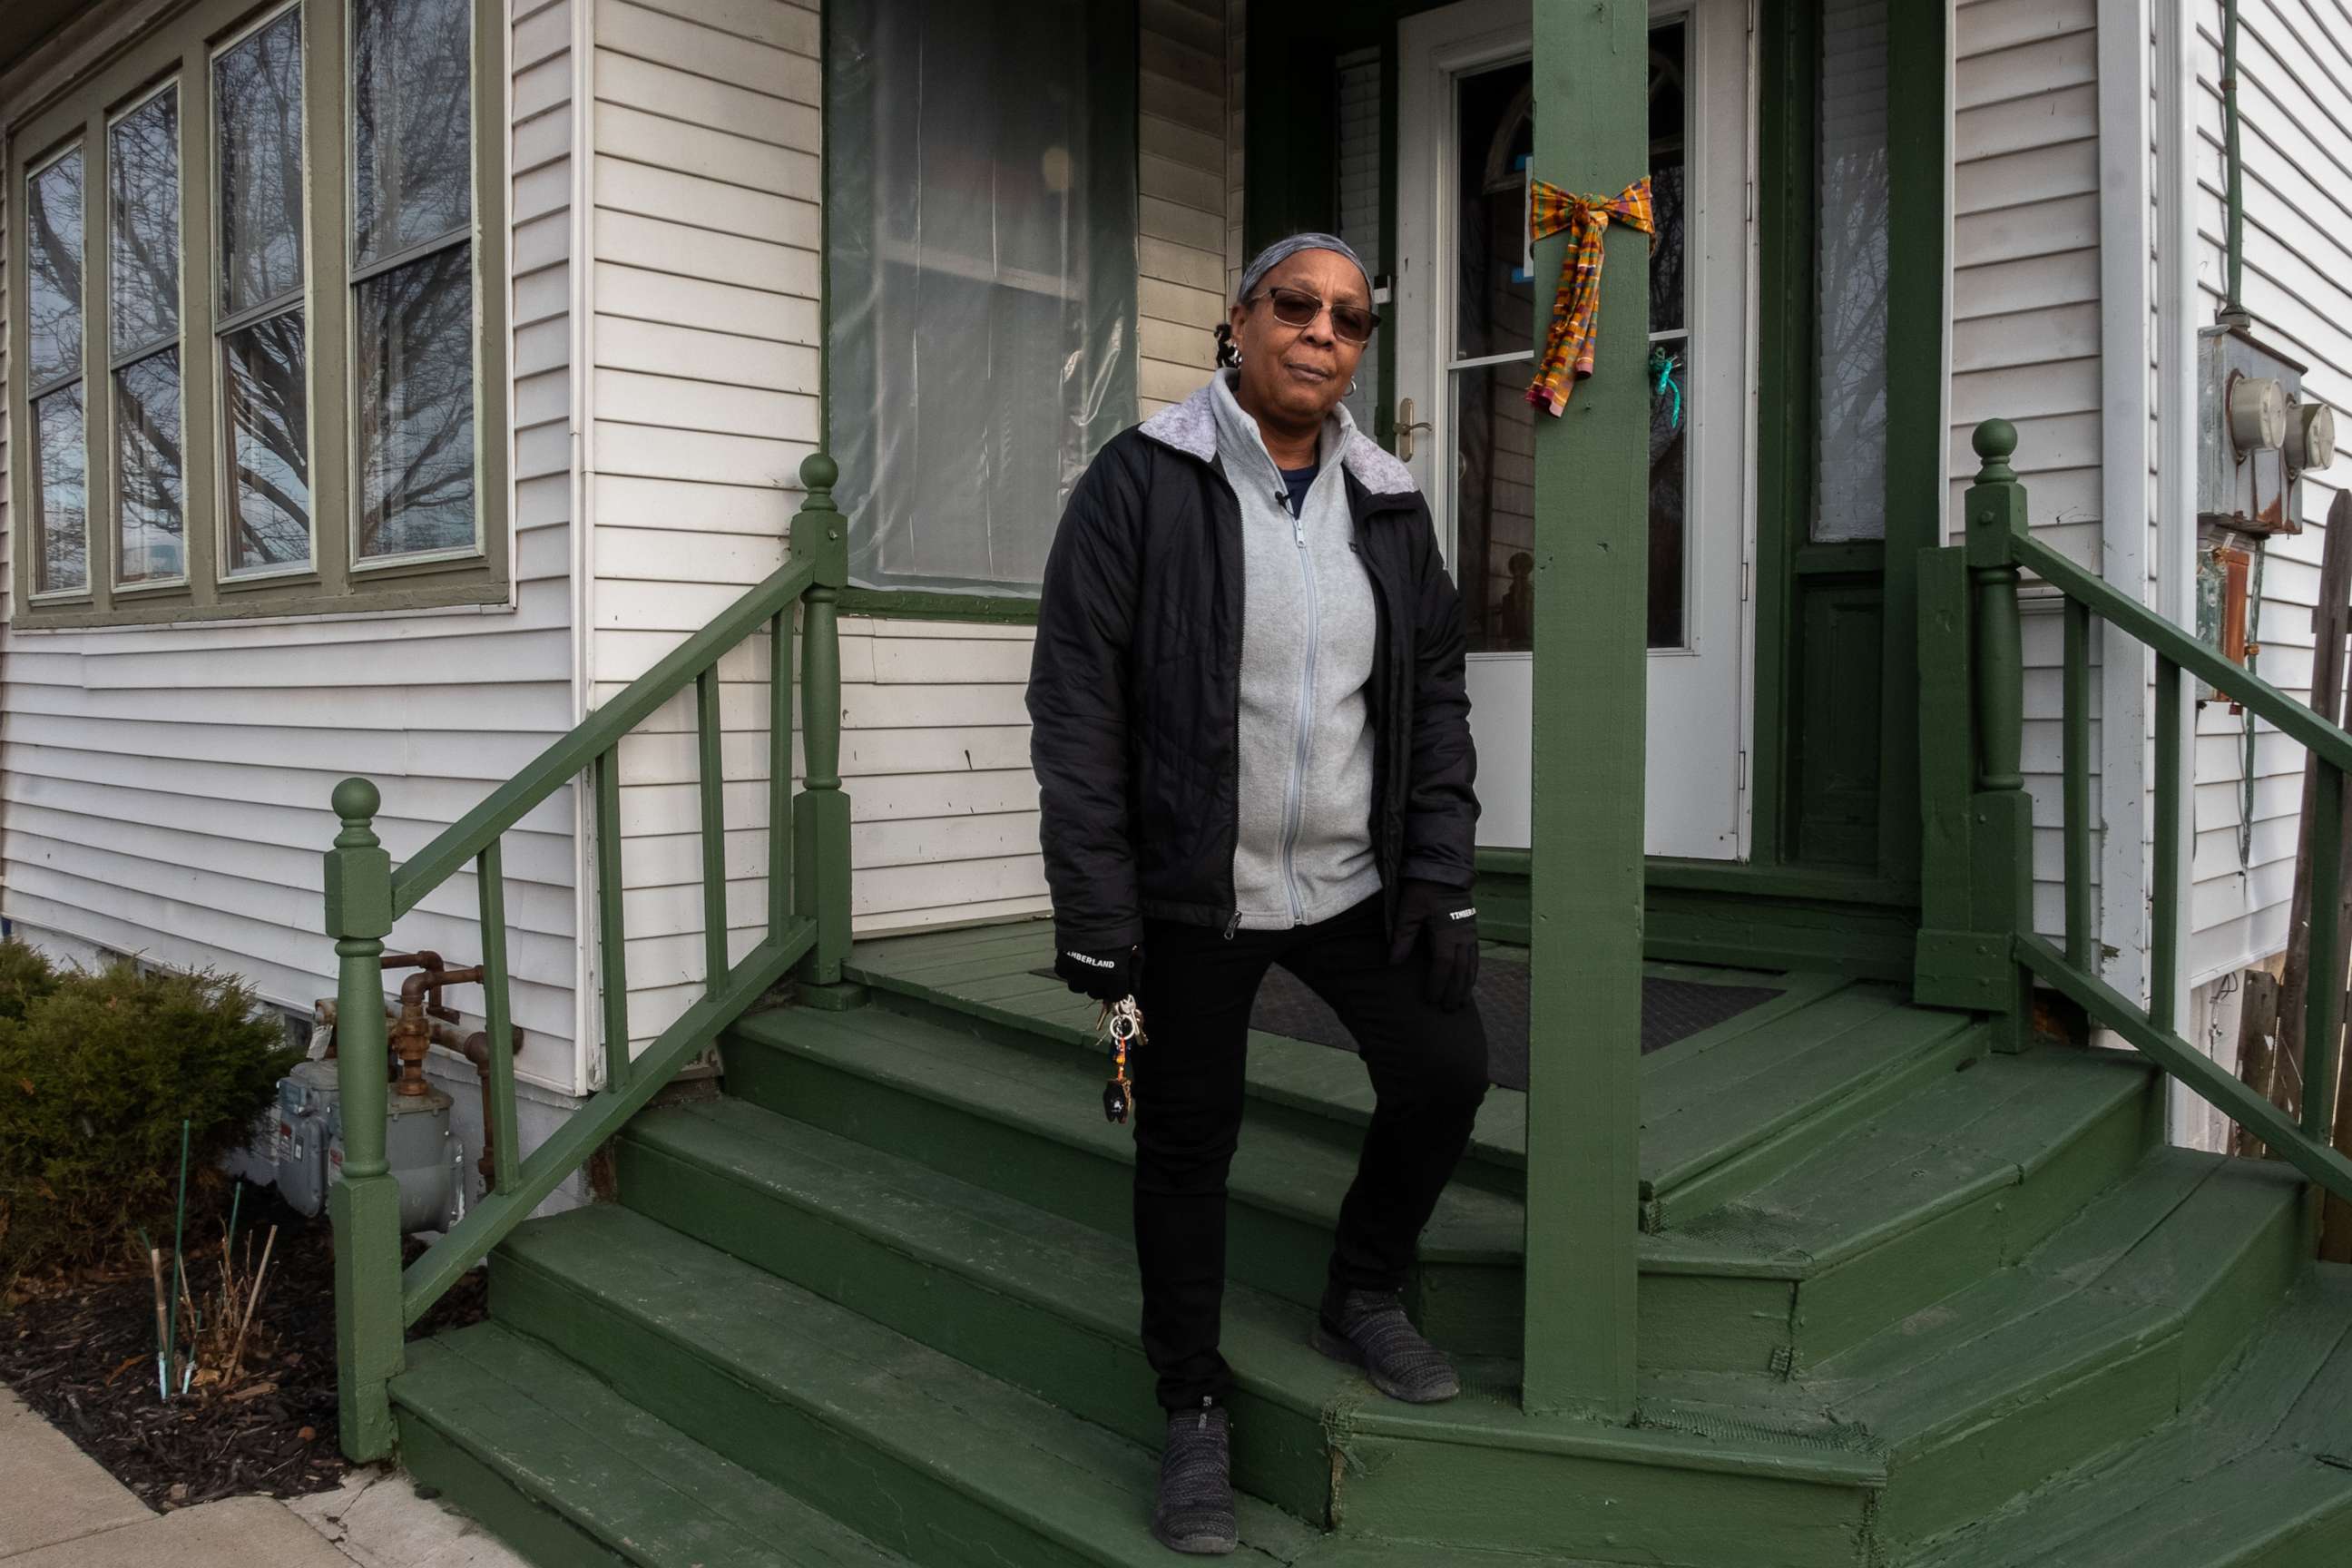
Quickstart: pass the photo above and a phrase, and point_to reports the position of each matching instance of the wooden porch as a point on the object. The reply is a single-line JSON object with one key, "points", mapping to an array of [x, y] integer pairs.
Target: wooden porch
{"points": [[1905, 1300]]}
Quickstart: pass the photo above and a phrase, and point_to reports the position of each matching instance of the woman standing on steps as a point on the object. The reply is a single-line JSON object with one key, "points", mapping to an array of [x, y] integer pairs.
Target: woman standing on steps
{"points": [[1253, 746]]}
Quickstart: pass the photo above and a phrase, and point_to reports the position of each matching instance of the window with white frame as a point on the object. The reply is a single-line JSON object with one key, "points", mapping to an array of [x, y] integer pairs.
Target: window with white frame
{"points": [[280, 393]]}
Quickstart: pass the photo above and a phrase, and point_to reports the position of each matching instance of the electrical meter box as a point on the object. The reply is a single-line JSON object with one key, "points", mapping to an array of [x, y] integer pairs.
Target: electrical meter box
{"points": [[2256, 434]]}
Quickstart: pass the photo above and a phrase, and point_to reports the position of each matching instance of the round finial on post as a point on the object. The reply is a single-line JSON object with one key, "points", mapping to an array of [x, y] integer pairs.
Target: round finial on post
{"points": [[1995, 441], [357, 801], [818, 473]]}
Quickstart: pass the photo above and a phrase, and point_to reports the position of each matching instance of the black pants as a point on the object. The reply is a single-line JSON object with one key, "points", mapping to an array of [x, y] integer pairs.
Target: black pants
{"points": [[1428, 1068]]}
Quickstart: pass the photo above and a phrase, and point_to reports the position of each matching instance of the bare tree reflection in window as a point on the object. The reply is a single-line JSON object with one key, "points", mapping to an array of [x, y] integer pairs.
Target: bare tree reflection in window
{"points": [[53, 228], [258, 102], [416, 408], [53, 304], [149, 493], [264, 385], [264, 375], [143, 291], [143, 156], [60, 484], [412, 162], [412, 298]]}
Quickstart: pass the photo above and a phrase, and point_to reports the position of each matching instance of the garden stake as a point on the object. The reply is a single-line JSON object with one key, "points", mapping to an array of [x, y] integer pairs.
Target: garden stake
{"points": [[179, 1231], [237, 1352]]}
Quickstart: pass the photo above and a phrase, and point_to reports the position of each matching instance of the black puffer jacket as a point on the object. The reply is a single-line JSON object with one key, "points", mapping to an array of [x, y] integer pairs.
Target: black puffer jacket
{"points": [[1134, 688]]}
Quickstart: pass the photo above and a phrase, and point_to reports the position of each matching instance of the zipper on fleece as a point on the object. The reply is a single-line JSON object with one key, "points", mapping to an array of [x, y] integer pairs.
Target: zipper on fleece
{"points": [[1294, 795]]}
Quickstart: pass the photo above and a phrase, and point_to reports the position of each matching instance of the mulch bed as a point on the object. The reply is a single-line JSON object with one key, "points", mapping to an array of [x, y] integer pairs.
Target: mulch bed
{"points": [[80, 1351]]}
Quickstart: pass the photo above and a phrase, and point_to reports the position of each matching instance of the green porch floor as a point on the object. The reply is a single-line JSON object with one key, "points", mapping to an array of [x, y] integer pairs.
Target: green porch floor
{"points": [[1903, 1302]]}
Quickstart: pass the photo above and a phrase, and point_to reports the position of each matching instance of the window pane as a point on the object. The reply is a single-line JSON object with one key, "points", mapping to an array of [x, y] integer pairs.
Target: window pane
{"points": [[983, 276], [143, 182], [147, 478], [1849, 440], [60, 492], [1494, 505], [1495, 131], [416, 410], [411, 175], [257, 104], [1669, 120], [53, 231], [1669, 488], [262, 387]]}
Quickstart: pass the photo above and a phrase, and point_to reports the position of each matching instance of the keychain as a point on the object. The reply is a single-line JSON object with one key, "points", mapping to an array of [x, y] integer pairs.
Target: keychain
{"points": [[1122, 1022]]}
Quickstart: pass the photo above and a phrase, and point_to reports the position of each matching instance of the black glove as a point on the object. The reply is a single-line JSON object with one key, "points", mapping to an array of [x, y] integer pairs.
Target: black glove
{"points": [[1446, 916], [1105, 973]]}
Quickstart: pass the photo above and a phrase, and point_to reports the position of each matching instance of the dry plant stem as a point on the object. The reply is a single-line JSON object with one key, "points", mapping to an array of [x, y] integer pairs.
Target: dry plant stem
{"points": [[162, 1319], [188, 1299], [237, 1352]]}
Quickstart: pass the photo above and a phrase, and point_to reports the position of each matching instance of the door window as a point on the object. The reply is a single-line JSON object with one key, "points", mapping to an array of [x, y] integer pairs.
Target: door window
{"points": [[1490, 357], [1850, 268]]}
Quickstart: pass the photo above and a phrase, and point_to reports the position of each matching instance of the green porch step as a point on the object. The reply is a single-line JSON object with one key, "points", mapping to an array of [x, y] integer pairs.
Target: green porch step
{"points": [[911, 1448], [1965, 1171], [1052, 1306], [2102, 1333], [2255, 1473], [567, 1471], [2094, 1337], [1723, 1111]]}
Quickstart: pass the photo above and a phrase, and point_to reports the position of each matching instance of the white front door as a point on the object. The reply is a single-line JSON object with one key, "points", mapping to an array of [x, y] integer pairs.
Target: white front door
{"points": [[1466, 311]]}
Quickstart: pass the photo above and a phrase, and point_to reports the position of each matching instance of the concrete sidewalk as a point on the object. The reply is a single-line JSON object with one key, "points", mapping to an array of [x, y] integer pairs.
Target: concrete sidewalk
{"points": [[59, 1508]]}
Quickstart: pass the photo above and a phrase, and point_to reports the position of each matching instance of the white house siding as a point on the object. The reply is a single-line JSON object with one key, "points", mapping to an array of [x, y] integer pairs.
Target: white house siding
{"points": [[165, 788], [1181, 195], [704, 238], [2295, 98], [2025, 310]]}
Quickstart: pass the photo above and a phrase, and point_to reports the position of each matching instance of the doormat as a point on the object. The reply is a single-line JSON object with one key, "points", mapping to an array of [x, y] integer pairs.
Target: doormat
{"points": [[1672, 1010]]}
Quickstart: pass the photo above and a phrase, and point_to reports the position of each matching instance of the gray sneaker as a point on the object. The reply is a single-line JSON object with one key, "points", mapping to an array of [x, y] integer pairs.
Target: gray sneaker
{"points": [[1195, 1513], [1370, 1330]]}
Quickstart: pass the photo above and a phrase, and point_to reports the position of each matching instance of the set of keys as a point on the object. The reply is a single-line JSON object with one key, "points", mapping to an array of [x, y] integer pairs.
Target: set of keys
{"points": [[1122, 1024]]}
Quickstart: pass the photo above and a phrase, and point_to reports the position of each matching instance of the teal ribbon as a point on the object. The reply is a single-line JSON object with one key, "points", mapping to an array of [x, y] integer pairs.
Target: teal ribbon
{"points": [[1663, 366]]}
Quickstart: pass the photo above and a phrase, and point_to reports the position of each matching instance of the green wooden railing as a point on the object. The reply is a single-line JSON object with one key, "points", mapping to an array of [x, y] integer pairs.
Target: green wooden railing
{"points": [[1978, 947], [807, 927]]}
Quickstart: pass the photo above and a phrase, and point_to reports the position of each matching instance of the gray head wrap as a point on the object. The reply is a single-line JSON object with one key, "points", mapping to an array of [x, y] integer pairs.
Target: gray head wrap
{"points": [[1282, 250]]}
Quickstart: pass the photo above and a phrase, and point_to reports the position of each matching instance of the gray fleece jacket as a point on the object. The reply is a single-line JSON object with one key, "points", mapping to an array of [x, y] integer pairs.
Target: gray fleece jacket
{"points": [[1308, 628]]}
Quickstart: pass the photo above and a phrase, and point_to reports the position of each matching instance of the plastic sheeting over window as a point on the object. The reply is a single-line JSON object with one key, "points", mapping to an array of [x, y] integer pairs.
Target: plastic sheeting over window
{"points": [[981, 179]]}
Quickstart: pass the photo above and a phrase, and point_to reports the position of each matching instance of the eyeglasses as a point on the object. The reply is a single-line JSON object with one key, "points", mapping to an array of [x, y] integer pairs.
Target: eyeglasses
{"points": [[1296, 308]]}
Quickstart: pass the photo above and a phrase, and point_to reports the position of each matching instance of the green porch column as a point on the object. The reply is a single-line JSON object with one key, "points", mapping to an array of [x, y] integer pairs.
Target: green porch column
{"points": [[1592, 671]]}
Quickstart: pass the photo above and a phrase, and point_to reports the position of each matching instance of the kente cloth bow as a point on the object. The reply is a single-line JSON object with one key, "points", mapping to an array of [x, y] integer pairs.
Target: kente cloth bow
{"points": [[1567, 351]]}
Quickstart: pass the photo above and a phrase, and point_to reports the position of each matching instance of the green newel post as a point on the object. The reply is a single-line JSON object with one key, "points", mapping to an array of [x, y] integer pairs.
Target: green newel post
{"points": [[821, 817], [2001, 812], [1591, 674], [364, 1201]]}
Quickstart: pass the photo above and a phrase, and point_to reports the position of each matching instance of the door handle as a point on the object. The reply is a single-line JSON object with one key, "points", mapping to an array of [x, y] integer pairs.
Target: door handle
{"points": [[1406, 424]]}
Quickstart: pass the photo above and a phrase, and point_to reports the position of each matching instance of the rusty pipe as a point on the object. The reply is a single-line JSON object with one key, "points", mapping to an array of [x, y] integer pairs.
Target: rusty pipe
{"points": [[476, 1048], [411, 1033], [425, 959]]}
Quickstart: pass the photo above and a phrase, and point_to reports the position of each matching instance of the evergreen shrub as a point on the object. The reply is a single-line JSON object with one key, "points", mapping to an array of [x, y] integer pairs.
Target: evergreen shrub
{"points": [[97, 1071]]}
